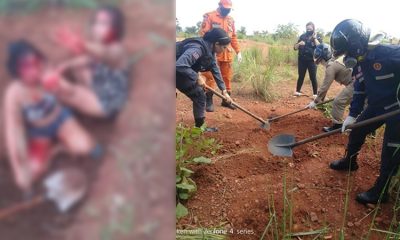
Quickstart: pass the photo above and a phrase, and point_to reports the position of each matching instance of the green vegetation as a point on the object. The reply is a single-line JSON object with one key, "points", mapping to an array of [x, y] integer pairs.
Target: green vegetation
{"points": [[191, 146]]}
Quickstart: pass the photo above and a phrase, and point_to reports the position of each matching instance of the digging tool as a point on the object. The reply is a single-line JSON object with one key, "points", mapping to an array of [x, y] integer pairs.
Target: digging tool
{"points": [[301, 110], [283, 144], [65, 188], [264, 124]]}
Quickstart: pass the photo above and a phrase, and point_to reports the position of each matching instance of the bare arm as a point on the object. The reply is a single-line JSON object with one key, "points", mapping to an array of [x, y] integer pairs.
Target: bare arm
{"points": [[15, 138], [76, 62], [113, 55]]}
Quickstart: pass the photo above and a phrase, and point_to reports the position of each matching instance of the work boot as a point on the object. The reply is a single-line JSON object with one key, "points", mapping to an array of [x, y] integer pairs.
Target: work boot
{"points": [[209, 102], [226, 104], [331, 128], [346, 163], [199, 122], [378, 191]]}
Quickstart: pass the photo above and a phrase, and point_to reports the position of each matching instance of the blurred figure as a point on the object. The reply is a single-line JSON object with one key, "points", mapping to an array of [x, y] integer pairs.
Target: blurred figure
{"points": [[306, 45], [220, 19], [100, 66], [334, 71], [35, 121], [194, 55]]}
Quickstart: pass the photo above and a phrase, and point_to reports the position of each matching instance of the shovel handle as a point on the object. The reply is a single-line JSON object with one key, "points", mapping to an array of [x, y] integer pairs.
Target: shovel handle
{"points": [[352, 126], [236, 105], [19, 207], [301, 110]]}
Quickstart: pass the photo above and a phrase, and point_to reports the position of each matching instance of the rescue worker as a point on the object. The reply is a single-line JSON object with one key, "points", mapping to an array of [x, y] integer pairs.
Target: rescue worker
{"points": [[220, 19], [335, 71], [194, 55], [306, 45], [377, 77]]}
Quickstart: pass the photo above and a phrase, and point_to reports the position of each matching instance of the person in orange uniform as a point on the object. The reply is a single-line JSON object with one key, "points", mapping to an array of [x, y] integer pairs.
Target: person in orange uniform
{"points": [[220, 19]]}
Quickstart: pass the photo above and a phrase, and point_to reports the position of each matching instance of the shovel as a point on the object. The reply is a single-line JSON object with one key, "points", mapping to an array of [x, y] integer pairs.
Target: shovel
{"points": [[301, 110], [283, 144], [65, 188], [264, 124]]}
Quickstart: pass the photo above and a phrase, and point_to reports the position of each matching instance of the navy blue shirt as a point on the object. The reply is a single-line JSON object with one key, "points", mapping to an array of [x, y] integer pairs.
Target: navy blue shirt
{"points": [[377, 78], [197, 56], [306, 52]]}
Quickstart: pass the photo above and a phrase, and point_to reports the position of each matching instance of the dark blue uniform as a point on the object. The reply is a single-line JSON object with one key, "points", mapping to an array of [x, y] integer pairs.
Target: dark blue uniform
{"points": [[377, 79], [192, 56]]}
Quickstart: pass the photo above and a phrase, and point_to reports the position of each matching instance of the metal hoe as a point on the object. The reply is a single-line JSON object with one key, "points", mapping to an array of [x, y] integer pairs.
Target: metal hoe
{"points": [[282, 145], [264, 124], [65, 188], [301, 110]]}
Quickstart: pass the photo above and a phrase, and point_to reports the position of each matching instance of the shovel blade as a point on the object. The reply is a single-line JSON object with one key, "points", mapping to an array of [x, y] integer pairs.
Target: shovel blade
{"points": [[279, 145]]}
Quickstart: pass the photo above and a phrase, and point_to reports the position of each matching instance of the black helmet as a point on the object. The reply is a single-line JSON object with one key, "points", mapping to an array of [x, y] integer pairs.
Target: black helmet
{"points": [[217, 35], [350, 37], [322, 52]]}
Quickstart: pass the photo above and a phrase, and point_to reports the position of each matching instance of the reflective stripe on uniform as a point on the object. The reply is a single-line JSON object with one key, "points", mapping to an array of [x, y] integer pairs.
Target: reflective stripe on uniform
{"points": [[391, 105], [396, 145], [358, 92], [383, 77]]}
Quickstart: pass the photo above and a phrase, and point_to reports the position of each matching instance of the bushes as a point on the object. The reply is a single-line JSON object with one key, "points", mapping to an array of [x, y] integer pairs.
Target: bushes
{"points": [[260, 69]]}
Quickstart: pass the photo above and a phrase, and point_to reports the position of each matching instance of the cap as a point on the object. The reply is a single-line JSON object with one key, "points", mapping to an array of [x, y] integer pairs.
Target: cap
{"points": [[226, 3]]}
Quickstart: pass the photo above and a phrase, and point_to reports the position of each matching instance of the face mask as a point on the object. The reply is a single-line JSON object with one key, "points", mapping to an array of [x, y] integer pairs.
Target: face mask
{"points": [[310, 32], [224, 11], [350, 62]]}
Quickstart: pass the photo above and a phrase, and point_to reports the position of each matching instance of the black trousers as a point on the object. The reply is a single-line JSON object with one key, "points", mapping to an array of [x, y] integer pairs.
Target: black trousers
{"points": [[193, 91], [303, 66], [390, 156]]}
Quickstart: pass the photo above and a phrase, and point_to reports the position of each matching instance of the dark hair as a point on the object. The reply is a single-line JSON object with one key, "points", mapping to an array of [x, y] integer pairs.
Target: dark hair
{"points": [[217, 35], [18, 50], [311, 24], [117, 19]]}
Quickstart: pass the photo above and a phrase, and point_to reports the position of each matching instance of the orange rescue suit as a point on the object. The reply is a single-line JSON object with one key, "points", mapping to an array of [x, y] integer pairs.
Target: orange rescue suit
{"points": [[225, 59]]}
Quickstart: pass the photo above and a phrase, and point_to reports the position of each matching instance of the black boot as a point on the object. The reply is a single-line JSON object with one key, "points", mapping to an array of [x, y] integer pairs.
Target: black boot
{"points": [[346, 163], [199, 122], [226, 104], [378, 191], [331, 128], [209, 102]]}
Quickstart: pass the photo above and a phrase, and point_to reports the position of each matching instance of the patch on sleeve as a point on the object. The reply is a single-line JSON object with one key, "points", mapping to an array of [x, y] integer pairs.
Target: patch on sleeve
{"points": [[195, 55]]}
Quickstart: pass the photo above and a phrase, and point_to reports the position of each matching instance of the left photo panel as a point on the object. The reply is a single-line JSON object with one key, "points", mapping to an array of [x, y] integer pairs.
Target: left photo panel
{"points": [[86, 119]]}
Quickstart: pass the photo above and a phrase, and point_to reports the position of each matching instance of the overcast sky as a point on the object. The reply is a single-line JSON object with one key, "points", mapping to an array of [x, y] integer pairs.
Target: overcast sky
{"points": [[266, 15]]}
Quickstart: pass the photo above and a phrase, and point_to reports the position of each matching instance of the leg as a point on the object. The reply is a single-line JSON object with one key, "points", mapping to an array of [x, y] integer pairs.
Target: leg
{"points": [[342, 100], [193, 91], [390, 160], [73, 95], [356, 140], [75, 138], [301, 68], [226, 72], [312, 71], [209, 95]]}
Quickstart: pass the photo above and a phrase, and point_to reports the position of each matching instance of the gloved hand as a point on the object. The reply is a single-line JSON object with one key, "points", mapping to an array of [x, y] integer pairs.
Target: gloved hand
{"points": [[239, 57], [349, 120], [228, 98], [312, 105], [201, 80]]}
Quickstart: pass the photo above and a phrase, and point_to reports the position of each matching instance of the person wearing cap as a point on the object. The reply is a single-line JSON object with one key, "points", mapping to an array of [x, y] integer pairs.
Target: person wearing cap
{"points": [[220, 19], [334, 71], [306, 45], [377, 78], [194, 55]]}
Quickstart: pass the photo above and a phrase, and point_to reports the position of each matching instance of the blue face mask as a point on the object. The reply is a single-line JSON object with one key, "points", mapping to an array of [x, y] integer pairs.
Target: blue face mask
{"points": [[224, 11]]}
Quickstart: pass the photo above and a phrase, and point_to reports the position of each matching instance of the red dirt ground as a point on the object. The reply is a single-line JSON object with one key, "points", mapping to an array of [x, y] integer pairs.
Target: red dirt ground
{"points": [[126, 200], [235, 189]]}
